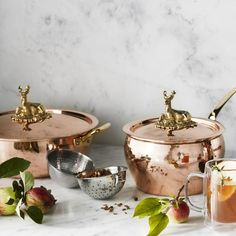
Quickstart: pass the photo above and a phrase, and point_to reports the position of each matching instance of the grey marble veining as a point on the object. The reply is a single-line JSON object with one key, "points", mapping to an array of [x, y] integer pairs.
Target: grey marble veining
{"points": [[114, 58]]}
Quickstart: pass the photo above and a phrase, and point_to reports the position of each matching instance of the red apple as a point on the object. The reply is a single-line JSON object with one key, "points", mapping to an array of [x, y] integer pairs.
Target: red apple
{"points": [[179, 211], [41, 198]]}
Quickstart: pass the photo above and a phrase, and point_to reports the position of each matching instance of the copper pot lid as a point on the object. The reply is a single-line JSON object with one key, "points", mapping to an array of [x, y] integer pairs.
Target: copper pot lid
{"points": [[63, 123], [177, 126], [146, 130]]}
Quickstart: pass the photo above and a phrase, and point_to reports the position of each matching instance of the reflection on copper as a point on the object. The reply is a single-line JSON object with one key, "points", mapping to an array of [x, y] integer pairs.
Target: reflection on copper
{"points": [[27, 146], [162, 169]]}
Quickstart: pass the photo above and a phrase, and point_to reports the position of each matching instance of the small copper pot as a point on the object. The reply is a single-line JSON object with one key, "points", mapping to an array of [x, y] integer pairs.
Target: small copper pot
{"points": [[161, 152]]}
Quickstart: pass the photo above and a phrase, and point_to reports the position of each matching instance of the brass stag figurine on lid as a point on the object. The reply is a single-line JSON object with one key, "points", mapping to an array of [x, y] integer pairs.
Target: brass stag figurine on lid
{"points": [[29, 113], [173, 119]]}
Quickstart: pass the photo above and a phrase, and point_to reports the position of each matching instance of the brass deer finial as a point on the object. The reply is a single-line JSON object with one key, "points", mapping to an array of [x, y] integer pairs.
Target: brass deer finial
{"points": [[172, 119], [29, 112]]}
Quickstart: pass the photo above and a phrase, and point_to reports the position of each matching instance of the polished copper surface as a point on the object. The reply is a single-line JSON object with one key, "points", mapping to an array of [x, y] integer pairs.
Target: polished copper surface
{"points": [[160, 163], [66, 129], [145, 130], [162, 169], [62, 124]]}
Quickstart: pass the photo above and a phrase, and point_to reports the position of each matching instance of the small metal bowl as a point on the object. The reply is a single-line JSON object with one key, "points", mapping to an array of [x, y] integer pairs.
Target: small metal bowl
{"points": [[63, 165], [103, 187]]}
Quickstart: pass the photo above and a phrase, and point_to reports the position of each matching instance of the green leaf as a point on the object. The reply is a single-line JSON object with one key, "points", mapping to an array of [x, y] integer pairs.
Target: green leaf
{"points": [[18, 189], [164, 200], [157, 224], [15, 185], [10, 201], [35, 214], [13, 167], [22, 214], [21, 184], [28, 180], [148, 207]]}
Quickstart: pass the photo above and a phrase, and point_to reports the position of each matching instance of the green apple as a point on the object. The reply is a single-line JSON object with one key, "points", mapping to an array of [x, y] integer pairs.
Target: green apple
{"points": [[5, 194]]}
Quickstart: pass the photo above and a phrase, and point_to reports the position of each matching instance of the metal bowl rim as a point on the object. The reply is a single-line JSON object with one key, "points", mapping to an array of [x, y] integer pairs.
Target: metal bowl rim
{"points": [[61, 171]]}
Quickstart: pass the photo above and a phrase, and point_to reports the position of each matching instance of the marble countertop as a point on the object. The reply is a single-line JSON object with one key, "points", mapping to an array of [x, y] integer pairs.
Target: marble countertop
{"points": [[77, 214]]}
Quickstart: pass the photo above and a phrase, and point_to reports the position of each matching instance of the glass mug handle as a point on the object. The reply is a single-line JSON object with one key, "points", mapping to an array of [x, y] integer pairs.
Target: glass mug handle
{"points": [[194, 207]]}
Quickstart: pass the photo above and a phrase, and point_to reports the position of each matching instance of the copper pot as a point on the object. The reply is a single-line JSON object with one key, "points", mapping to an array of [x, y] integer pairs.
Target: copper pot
{"points": [[44, 130], [162, 151]]}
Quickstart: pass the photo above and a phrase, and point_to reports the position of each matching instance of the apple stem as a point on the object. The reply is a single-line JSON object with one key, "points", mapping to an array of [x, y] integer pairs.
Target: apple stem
{"points": [[180, 190]]}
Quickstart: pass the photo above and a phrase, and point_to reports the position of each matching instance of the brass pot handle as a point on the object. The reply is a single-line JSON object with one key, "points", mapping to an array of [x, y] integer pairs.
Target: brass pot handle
{"points": [[216, 110], [84, 138]]}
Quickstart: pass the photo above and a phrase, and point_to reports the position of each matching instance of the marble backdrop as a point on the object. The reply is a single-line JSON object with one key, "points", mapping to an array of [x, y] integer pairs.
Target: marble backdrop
{"points": [[114, 58]]}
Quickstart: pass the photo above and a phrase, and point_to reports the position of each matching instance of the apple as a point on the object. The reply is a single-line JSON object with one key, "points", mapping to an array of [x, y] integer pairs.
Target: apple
{"points": [[41, 198], [179, 211], [5, 194]]}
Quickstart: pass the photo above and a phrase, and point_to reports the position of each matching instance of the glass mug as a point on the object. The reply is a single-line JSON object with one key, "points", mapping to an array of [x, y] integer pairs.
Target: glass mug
{"points": [[219, 192]]}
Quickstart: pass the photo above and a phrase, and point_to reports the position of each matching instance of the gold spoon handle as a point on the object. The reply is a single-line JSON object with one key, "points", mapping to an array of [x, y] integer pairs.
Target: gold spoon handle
{"points": [[216, 110]]}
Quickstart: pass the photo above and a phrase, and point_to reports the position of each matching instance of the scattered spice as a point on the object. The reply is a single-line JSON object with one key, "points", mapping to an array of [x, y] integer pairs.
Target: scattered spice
{"points": [[107, 208], [111, 208], [94, 173], [135, 198]]}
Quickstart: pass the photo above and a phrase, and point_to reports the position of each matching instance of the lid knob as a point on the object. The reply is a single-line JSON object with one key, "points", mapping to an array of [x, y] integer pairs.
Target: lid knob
{"points": [[172, 119], [29, 113]]}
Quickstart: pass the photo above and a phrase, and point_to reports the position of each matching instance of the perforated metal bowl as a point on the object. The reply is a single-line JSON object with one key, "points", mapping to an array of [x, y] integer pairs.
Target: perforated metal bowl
{"points": [[104, 187]]}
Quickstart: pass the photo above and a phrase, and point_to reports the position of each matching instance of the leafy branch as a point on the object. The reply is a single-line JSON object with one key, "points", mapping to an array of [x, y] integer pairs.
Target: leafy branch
{"points": [[220, 171], [25, 184], [156, 209], [13, 167]]}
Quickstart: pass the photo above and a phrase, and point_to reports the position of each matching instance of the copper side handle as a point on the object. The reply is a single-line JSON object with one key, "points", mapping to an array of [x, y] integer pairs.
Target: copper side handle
{"points": [[216, 110], [84, 138]]}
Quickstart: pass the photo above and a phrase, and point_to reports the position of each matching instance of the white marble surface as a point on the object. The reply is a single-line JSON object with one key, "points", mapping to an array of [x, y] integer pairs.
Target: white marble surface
{"points": [[77, 214], [114, 58]]}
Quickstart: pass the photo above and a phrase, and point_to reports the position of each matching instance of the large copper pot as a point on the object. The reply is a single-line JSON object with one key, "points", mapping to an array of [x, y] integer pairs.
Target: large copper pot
{"points": [[44, 130], [162, 151]]}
